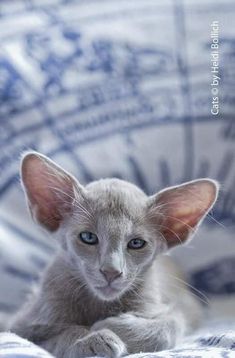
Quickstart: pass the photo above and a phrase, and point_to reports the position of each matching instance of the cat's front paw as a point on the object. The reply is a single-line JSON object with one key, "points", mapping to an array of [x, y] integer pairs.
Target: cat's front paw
{"points": [[141, 334], [103, 343]]}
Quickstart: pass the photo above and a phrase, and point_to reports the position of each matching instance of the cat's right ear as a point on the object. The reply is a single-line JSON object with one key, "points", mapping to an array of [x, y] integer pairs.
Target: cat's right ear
{"points": [[49, 189], [178, 211]]}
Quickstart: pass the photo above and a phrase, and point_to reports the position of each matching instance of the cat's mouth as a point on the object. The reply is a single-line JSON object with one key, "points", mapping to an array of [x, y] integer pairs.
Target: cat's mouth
{"points": [[108, 291]]}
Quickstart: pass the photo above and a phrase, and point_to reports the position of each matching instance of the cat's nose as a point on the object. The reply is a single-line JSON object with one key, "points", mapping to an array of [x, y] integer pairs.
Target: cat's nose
{"points": [[110, 274]]}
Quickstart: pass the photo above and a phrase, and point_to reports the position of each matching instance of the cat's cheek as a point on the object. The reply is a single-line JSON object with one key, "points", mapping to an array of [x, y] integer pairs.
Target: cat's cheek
{"points": [[140, 258], [80, 255], [80, 249]]}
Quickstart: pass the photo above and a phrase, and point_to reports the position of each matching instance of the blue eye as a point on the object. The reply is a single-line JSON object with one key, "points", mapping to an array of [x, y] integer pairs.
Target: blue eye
{"points": [[88, 238], [136, 244]]}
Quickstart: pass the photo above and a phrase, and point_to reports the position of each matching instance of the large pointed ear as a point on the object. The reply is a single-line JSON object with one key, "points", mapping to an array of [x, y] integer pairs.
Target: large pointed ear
{"points": [[177, 211], [50, 190]]}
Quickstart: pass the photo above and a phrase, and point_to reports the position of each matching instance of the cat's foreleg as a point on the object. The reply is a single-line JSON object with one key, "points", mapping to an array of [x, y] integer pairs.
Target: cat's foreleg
{"points": [[146, 334], [65, 339], [73, 341], [100, 343]]}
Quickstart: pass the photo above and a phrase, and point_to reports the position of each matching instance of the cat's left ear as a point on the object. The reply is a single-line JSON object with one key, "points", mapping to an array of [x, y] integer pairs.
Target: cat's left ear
{"points": [[49, 189], [177, 211]]}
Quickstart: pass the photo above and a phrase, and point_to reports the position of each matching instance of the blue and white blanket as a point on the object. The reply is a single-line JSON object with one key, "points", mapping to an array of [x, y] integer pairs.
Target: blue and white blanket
{"points": [[216, 341], [125, 89]]}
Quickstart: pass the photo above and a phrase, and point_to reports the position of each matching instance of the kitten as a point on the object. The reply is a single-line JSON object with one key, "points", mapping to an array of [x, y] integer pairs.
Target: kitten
{"points": [[110, 290]]}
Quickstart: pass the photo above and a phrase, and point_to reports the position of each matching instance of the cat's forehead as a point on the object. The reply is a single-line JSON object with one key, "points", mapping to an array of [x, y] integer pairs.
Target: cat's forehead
{"points": [[116, 197]]}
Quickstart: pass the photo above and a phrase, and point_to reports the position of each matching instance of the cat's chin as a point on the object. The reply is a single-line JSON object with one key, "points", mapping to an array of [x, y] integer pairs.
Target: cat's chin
{"points": [[107, 293]]}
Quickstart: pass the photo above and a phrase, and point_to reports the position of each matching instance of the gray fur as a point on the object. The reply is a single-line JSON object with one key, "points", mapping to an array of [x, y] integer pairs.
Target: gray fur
{"points": [[146, 308]]}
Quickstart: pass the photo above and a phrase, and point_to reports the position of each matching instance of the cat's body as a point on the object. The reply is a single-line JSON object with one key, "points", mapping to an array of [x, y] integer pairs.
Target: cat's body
{"points": [[161, 300], [108, 292]]}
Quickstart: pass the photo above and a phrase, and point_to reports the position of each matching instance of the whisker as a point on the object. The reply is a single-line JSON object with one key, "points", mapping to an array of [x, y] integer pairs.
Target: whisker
{"points": [[181, 221], [153, 210], [206, 299], [166, 227], [75, 203]]}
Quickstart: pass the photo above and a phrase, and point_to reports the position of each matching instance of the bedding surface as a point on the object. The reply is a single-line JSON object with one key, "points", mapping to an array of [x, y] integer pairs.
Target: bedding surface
{"points": [[215, 340]]}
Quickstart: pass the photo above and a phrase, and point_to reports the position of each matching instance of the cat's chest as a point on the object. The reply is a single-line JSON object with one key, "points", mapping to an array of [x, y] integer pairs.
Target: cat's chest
{"points": [[81, 307], [89, 311]]}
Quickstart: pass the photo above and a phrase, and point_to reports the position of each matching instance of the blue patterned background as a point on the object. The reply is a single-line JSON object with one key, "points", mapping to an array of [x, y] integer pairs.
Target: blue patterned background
{"points": [[120, 89]]}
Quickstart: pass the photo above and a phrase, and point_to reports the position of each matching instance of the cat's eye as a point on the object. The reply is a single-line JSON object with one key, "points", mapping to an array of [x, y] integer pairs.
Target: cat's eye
{"points": [[88, 238], [136, 244]]}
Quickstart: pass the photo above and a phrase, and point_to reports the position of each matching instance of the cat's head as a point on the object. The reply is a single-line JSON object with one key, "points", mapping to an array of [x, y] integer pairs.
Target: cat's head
{"points": [[110, 230]]}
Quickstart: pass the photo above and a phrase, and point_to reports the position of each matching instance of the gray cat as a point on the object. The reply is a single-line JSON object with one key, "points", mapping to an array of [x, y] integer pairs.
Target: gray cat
{"points": [[111, 289]]}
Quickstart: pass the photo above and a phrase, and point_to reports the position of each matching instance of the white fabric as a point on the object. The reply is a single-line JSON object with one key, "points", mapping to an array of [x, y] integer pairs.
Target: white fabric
{"points": [[215, 340]]}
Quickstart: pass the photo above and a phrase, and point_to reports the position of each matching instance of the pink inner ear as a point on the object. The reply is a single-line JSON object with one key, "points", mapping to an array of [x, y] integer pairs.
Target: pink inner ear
{"points": [[48, 216], [183, 207], [49, 190]]}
